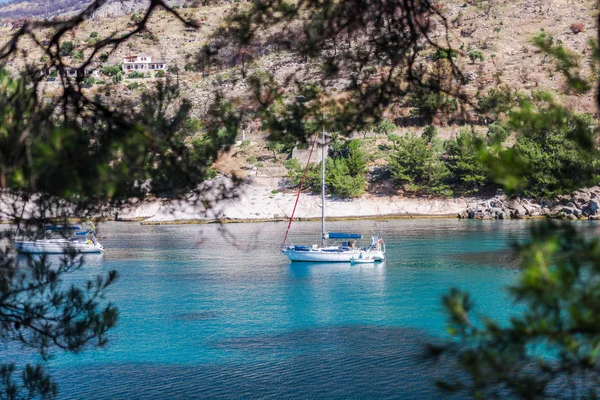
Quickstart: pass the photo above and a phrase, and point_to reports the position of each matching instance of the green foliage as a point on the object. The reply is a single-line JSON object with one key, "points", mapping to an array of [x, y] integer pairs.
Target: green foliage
{"points": [[191, 127], [555, 150], [294, 171], [385, 127], [549, 348], [204, 148], [557, 146], [93, 38], [476, 55], [409, 160], [112, 70], [444, 54], [310, 91], [465, 163], [77, 55], [117, 78], [341, 181], [89, 81], [429, 133], [251, 160], [276, 147], [496, 134], [392, 137], [66, 48], [429, 101], [160, 74], [354, 158], [136, 18], [151, 37], [426, 164], [567, 62], [345, 172], [499, 100], [74, 155], [134, 86], [210, 173], [336, 145], [415, 164], [136, 75]]}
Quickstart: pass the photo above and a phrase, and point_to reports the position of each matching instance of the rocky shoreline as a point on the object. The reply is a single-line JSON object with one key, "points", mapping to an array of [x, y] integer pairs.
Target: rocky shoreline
{"points": [[257, 201], [582, 204], [253, 202]]}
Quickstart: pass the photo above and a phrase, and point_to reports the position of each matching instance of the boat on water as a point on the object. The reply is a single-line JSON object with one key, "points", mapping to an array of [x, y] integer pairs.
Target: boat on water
{"points": [[362, 259], [338, 251], [57, 239]]}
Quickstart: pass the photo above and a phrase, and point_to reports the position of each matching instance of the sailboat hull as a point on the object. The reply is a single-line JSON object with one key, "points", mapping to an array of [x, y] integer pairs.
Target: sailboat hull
{"points": [[319, 255], [56, 247]]}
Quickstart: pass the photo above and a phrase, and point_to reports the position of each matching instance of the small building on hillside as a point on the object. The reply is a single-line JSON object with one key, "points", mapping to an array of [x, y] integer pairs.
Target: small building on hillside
{"points": [[73, 72], [143, 62]]}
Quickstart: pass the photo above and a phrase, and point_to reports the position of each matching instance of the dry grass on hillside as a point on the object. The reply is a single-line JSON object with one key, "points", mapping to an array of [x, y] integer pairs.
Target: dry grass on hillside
{"points": [[501, 30]]}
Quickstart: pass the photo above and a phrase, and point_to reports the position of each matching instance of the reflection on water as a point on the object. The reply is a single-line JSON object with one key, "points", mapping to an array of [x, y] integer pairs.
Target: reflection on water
{"points": [[502, 258], [206, 315], [301, 269]]}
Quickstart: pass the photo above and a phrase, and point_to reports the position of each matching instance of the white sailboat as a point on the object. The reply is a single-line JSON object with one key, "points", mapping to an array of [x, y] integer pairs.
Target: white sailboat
{"points": [[346, 251]]}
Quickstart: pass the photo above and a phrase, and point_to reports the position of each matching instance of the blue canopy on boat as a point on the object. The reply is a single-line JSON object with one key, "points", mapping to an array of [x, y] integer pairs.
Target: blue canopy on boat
{"points": [[82, 233], [63, 228], [339, 235]]}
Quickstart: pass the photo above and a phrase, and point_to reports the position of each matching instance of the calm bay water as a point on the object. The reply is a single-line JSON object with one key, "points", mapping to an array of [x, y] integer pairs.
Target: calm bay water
{"points": [[206, 313]]}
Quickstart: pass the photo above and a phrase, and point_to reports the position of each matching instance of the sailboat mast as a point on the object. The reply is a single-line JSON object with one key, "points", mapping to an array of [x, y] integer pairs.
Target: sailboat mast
{"points": [[323, 188]]}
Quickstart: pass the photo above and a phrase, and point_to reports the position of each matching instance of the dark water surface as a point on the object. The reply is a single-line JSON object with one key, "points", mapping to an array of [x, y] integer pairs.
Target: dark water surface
{"points": [[207, 314]]}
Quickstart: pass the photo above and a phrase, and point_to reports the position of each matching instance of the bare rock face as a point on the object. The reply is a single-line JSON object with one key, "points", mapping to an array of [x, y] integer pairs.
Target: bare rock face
{"points": [[584, 203], [593, 206]]}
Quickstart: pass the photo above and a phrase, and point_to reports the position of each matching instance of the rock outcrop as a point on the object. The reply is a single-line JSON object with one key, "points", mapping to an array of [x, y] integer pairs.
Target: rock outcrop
{"points": [[582, 204]]}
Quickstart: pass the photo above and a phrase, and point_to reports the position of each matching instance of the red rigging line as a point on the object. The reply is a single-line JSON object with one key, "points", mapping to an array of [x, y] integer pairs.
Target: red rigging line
{"points": [[299, 191]]}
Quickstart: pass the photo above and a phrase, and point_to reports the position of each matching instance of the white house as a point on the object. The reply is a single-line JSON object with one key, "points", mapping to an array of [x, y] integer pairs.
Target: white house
{"points": [[142, 62]]}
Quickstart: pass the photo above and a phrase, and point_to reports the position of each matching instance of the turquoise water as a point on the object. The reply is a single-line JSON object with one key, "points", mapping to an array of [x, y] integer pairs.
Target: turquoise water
{"points": [[207, 313]]}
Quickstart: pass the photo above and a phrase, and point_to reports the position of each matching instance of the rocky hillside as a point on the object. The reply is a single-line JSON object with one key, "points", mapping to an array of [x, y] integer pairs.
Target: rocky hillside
{"points": [[19, 9], [501, 31]]}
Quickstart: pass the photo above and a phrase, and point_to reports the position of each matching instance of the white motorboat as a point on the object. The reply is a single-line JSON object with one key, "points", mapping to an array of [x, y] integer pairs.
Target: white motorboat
{"points": [[339, 251], [60, 239], [362, 259]]}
